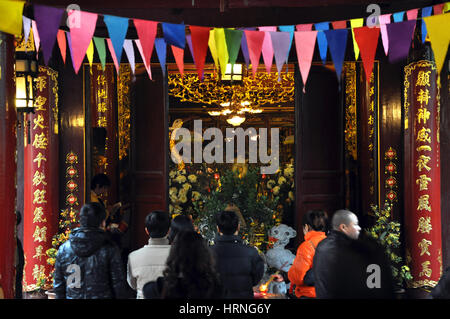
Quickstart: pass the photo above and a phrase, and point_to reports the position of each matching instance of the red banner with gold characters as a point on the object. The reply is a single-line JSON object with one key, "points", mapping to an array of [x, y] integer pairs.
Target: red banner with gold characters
{"points": [[41, 200], [422, 173]]}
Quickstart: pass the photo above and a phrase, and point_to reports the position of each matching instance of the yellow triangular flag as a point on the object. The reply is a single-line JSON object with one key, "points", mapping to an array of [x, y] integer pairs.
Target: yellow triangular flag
{"points": [[90, 54], [356, 23], [437, 27], [221, 47], [446, 7], [11, 16], [212, 47]]}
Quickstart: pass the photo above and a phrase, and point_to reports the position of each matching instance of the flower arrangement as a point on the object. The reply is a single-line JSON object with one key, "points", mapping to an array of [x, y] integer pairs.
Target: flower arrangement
{"points": [[387, 233]]}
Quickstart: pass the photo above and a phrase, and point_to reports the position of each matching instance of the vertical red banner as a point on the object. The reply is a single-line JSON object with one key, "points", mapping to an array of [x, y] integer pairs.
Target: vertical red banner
{"points": [[41, 186], [422, 173]]}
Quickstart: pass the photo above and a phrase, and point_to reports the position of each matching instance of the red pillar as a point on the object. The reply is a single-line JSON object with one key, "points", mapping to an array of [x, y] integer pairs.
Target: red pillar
{"points": [[8, 120]]}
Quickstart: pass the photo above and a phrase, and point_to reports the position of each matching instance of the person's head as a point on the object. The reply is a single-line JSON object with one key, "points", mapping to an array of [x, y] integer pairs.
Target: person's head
{"points": [[227, 222], [179, 223], [157, 224], [346, 222], [92, 215], [316, 220], [100, 184]]}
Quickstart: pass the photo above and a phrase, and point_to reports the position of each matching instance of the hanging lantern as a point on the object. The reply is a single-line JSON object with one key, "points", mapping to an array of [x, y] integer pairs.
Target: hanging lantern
{"points": [[26, 72]]}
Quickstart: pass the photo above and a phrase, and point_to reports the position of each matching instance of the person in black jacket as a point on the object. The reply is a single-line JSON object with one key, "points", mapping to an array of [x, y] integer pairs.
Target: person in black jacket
{"points": [[346, 266], [240, 266], [88, 265]]}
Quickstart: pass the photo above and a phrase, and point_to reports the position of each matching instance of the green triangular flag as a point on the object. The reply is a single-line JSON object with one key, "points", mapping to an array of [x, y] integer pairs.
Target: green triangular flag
{"points": [[233, 38], [101, 50]]}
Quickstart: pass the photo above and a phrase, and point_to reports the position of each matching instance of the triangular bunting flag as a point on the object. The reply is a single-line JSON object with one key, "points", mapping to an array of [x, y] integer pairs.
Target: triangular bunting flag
{"points": [[221, 49], [113, 54], [267, 48], [244, 46], [199, 37], [305, 42], [281, 42], [339, 24], [398, 16], [438, 27], [446, 7], [367, 39], [304, 27], [174, 34], [26, 28], [255, 41], [117, 30], [101, 50], [90, 54], [337, 42], [11, 17], [81, 36], [69, 43], [178, 53], [356, 23], [438, 8], [412, 14], [384, 20], [161, 51], [189, 42], [147, 66], [400, 36], [213, 48], [322, 39], [129, 51], [61, 38], [233, 38], [291, 30], [426, 12], [37, 39], [47, 22], [146, 31]]}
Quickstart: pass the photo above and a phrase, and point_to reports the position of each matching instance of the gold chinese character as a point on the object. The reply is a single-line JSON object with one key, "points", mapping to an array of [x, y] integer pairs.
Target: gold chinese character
{"points": [[423, 181], [423, 96], [38, 272], [39, 103], [425, 270], [38, 213], [370, 120], [424, 225], [101, 79], [101, 122], [101, 94], [39, 197], [38, 252], [424, 203], [422, 135], [423, 245], [40, 234], [422, 162], [39, 158], [41, 83], [371, 91], [371, 106], [423, 148], [40, 141], [39, 178], [423, 78], [38, 122], [102, 107], [423, 115]]}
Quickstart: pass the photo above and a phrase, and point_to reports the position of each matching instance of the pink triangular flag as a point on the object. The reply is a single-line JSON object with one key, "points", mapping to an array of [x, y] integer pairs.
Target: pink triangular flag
{"points": [[305, 42], [146, 31], [178, 53], [255, 40], [113, 54], [81, 35], [304, 27], [61, 38], [367, 39], [384, 19], [412, 14], [339, 24], [37, 40], [267, 48], [147, 66]]}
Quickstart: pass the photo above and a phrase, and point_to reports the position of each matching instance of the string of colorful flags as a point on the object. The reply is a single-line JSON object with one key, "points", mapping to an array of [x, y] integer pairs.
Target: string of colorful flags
{"points": [[224, 44]]}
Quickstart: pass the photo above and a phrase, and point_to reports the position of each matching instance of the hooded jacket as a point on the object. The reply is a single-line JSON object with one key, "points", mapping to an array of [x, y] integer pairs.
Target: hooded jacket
{"points": [[89, 266]]}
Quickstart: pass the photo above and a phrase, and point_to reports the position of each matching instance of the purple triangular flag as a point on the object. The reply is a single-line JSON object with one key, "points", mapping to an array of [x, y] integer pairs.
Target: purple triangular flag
{"points": [[400, 36], [128, 47], [189, 42], [281, 42], [69, 43], [26, 28], [47, 22]]}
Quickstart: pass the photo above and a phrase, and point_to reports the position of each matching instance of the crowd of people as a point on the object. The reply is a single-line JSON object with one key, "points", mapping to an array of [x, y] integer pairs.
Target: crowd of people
{"points": [[178, 263]]}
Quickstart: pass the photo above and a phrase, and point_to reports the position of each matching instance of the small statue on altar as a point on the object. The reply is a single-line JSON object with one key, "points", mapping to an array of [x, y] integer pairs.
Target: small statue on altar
{"points": [[278, 257]]}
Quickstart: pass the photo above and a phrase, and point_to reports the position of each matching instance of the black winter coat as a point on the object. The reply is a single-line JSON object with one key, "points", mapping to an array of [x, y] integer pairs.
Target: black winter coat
{"points": [[340, 268], [240, 266], [92, 254]]}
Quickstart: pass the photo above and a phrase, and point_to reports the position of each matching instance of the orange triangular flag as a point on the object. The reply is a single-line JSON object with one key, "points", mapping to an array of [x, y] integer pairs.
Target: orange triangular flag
{"points": [[178, 53], [367, 39]]}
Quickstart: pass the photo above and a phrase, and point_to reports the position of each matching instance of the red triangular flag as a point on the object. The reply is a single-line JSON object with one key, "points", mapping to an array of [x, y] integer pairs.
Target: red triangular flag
{"points": [[255, 41], [367, 39], [438, 8], [200, 38], [339, 24], [146, 31], [304, 27], [178, 53], [61, 38]]}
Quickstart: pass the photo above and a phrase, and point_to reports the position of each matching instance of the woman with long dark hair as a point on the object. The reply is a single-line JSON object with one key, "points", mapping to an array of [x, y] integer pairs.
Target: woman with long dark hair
{"points": [[190, 271], [178, 224]]}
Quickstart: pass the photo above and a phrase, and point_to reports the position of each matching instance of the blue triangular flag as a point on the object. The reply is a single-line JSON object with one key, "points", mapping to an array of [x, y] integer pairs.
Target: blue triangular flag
{"points": [[322, 39], [161, 51], [337, 42], [290, 29], [117, 29], [174, 34], [398, 16], [426, 12]]}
